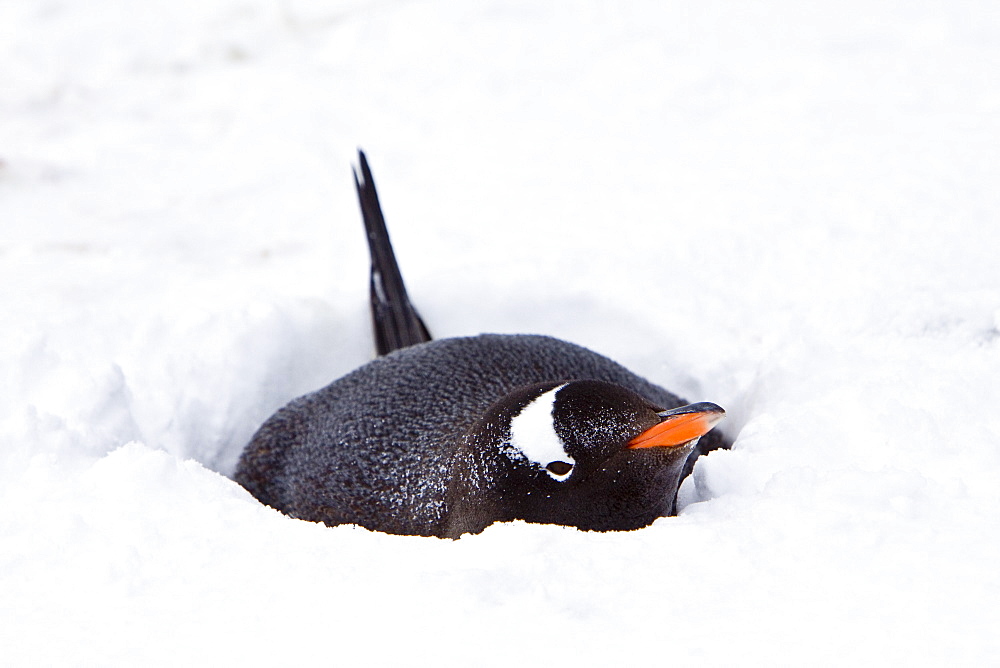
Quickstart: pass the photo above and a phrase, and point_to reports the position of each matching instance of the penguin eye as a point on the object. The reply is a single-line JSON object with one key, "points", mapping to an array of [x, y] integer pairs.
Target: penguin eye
{"points": [[559, 468]]}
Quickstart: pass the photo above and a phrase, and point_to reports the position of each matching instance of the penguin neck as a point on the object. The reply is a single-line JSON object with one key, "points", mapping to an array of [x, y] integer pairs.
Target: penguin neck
{"points": [[477, 495], [474, 497]]}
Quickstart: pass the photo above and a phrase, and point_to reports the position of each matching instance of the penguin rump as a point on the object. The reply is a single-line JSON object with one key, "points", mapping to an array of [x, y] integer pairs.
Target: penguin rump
{"points": [[445, 437]]}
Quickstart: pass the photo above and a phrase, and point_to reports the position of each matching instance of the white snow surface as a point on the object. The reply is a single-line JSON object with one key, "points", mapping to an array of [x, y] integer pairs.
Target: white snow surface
{"points": [[790, 209]]}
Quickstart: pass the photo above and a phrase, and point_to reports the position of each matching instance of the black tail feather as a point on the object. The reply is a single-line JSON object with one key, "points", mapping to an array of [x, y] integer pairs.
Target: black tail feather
{"points": [[395, 322]]}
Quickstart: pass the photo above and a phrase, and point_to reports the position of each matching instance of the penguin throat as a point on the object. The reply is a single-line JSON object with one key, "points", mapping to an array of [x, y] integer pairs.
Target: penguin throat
{"points": [[533, 435]]}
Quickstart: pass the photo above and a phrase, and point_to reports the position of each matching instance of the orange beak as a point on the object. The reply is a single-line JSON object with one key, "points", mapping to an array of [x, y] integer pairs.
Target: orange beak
{"points": [[679, 426]]}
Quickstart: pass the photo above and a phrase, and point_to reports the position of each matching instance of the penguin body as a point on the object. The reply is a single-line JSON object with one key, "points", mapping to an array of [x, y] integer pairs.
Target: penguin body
{"points": [[445, 437]]}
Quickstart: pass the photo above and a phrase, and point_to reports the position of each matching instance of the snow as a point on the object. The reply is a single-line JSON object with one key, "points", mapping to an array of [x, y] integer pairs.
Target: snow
{"points": [[789, 209]]}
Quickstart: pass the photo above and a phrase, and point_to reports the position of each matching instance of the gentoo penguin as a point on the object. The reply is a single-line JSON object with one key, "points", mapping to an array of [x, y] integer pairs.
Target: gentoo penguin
{"points": [[445, 437]]}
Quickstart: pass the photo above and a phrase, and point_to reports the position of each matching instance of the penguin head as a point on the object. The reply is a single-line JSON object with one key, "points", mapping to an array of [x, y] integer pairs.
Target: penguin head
{"points": [[583, 453]]}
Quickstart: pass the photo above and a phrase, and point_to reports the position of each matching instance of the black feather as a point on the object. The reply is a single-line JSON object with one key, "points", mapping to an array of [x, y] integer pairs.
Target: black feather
{"points": [[395, 321]]}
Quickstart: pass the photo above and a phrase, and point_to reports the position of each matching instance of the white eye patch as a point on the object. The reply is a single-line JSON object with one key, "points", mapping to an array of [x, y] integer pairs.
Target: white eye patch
{"points": [[533, 433]]}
